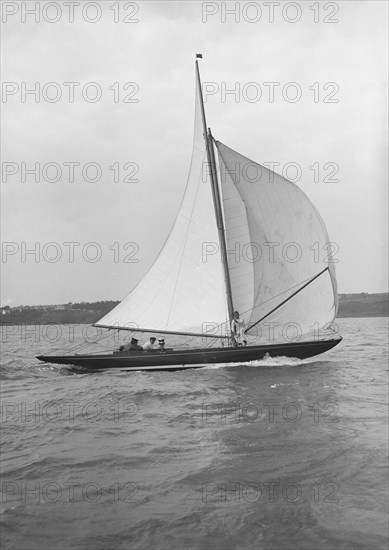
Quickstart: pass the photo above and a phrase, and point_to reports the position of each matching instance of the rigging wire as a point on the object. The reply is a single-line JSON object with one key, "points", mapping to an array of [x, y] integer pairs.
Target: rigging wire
{"points": [[71, 347], [184, 245]]}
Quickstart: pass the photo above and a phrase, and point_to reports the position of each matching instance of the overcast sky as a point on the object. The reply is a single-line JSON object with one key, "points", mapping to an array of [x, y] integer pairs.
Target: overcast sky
{"points": [[154, 133]]}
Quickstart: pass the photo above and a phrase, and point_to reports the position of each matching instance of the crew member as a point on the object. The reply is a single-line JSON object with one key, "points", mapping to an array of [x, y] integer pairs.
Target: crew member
{"points": [[149, 346], [133, 345], [237, 329], [161, 344]]}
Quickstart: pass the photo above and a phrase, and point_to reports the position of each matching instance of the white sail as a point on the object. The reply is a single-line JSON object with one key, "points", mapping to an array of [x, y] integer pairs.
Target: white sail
{"points": [[184, 289], [273, 236]]}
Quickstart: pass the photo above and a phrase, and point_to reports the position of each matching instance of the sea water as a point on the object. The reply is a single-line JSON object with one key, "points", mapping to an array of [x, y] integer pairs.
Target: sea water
{"points": [[275, 454]]}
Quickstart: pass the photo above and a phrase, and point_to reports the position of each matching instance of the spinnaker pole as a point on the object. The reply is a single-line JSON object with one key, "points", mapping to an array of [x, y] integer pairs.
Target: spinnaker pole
{"points": [[216, 199], [286, 300]]}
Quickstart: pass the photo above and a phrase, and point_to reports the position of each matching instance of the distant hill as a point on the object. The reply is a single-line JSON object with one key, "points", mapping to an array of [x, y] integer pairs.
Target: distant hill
{"points": [[350, 305], [84, 312], [363, 305]]}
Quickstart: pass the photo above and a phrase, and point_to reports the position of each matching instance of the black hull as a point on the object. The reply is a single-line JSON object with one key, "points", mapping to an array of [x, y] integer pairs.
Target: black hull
{"points": [[184, 359]]}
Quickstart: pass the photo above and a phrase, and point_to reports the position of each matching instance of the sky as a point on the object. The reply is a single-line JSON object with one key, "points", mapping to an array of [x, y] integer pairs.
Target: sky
{"points": [[112, 120]]}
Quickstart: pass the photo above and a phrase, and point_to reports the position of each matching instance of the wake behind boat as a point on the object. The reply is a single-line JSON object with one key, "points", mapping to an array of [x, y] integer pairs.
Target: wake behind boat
{"points": [[247, 267]]}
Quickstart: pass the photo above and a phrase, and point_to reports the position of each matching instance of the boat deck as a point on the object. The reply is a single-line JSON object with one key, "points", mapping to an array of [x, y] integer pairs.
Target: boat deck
{"points": [[191, 358]]}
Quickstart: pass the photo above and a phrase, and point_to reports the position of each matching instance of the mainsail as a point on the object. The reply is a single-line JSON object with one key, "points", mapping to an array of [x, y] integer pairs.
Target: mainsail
{"points": [[184, 289], [273, 233]]}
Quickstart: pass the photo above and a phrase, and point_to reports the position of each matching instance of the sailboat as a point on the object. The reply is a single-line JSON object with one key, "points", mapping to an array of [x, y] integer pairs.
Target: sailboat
{"points": [[244, 240]]}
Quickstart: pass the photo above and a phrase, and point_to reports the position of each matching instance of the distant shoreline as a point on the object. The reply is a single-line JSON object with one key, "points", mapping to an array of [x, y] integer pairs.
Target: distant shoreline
{"points": [[350, 305]]}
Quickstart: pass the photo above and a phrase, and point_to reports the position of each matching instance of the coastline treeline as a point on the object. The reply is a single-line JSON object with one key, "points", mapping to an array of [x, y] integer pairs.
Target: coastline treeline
{"points": [[350, 305]]}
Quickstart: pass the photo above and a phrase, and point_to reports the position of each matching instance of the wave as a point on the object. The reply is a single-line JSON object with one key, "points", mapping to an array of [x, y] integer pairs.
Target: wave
{"points": [[280, 361]]}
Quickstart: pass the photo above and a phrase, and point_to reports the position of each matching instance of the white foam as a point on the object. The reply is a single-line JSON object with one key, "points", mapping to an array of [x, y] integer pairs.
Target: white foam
{"points": [[265, 362]]}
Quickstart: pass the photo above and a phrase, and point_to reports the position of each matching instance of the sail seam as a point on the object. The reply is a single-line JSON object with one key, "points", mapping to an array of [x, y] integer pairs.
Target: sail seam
{"points": [[183, 248]]}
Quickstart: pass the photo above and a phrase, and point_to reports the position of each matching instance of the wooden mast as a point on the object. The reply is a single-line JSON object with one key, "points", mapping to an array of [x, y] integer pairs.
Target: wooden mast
{"points": [[216, 201]]}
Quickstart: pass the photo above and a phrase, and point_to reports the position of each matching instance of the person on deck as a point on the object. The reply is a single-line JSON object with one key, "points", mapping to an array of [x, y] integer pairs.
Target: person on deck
{"points": [[149, 346], [237, 329], [161, 344], [133, 345]]}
